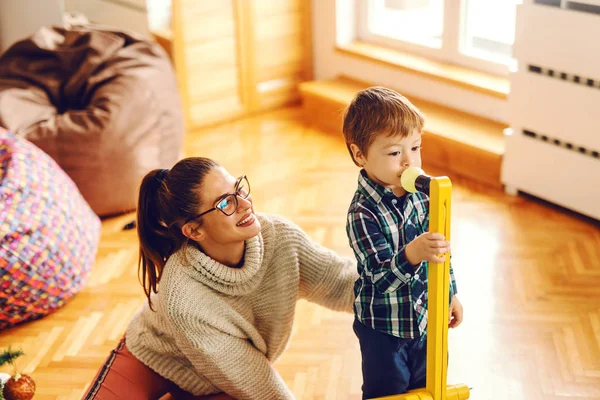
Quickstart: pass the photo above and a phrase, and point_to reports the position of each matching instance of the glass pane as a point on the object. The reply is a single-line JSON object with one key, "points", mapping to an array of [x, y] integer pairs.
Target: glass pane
{"points": [[159, 14], [228, 204], [489, 30], [243, 188], [415, 21]]}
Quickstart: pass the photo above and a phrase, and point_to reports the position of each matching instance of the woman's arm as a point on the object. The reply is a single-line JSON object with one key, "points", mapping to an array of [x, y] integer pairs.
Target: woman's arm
{"points": [[325, 277], [232, 364]]}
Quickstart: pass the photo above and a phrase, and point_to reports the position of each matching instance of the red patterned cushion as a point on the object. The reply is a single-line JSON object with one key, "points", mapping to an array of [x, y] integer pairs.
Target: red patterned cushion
{"points": [[48, 233]]}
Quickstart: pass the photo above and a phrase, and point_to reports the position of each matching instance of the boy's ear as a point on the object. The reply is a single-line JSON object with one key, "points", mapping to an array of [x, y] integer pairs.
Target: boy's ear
{"points": [[358, 155], [193, 230]]}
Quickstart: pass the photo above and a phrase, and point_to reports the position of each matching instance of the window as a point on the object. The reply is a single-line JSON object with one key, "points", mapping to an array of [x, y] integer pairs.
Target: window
{"points": [[473, 33], [422, 23]]}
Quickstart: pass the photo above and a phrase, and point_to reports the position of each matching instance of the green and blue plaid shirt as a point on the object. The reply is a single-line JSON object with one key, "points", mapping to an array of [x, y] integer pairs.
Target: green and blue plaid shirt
{"points": [[391, 294]]}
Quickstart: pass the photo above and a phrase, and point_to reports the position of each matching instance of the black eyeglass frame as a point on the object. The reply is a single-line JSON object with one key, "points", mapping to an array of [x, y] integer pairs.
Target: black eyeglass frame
{"points": [[234, 195]]}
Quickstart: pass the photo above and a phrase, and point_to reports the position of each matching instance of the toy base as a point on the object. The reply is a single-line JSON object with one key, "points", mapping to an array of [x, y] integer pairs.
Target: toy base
{"points": [[453, 392]]}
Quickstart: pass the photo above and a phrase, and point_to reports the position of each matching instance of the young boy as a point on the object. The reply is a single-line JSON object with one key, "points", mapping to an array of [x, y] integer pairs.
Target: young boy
{"points": [[387, 229]]}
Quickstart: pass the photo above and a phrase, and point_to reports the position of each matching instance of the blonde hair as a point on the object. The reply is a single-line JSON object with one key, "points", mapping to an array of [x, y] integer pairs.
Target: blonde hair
{"points": [[375, 111]]}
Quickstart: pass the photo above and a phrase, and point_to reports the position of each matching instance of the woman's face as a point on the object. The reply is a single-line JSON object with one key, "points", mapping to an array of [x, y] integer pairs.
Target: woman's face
{"points": [[221, 229]]}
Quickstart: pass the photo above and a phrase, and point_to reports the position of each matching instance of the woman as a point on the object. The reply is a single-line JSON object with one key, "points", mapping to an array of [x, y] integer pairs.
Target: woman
{"points": [[229, 281]]}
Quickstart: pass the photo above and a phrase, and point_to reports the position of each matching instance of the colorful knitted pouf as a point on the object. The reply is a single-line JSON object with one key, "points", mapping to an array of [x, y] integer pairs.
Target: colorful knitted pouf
{"points": [[48, 233]]}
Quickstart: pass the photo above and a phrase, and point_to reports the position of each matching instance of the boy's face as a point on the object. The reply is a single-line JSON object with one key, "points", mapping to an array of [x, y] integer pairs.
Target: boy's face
{"points": [[388, 156]]}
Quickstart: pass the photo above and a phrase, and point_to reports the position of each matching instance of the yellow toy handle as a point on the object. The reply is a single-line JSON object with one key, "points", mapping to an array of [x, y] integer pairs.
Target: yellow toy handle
{"points": [[439, 190]]}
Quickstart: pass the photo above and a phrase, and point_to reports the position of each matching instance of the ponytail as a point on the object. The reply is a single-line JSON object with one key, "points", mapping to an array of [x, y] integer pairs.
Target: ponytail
{"points": [[167, 199], [156, 242]]}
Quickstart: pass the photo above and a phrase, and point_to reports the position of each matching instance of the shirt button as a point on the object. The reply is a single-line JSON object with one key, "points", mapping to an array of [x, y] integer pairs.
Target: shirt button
{"points": [[394, 201], [407, 275], [416, 276], [419, 301]]}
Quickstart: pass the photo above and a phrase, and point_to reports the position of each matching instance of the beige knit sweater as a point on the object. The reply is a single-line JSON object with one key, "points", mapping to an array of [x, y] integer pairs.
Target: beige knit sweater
{"points": [[219, 329]]}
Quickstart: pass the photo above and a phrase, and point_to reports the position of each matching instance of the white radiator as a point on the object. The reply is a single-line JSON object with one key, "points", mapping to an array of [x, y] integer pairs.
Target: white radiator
{"points": [[553, 145]]}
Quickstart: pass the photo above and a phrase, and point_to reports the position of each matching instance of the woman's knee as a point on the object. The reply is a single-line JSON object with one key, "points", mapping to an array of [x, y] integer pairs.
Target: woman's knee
{"points": [[123, 376]]}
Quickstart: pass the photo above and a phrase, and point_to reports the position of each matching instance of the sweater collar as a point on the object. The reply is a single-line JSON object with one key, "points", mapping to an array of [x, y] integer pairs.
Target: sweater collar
{"points": [[228, 280]]}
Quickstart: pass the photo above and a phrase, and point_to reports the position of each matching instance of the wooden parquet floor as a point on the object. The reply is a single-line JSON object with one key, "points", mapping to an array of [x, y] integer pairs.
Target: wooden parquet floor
{"points": [[528, 276]]}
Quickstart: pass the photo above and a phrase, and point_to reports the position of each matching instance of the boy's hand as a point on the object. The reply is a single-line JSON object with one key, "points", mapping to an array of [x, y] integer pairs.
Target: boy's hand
{"points": [[426, 247], [455, 316]]}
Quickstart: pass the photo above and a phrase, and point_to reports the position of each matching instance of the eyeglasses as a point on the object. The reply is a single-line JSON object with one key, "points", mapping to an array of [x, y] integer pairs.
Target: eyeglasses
{"points": [[228, 203]]}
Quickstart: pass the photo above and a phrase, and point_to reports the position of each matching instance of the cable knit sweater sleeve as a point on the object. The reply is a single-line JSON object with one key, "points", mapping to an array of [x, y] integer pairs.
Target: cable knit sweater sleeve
{"points": [[325, 277], [230, 363]]}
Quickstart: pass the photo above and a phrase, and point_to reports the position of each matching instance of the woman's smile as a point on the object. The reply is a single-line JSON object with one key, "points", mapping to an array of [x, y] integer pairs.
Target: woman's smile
{"points": [[247, 220]]}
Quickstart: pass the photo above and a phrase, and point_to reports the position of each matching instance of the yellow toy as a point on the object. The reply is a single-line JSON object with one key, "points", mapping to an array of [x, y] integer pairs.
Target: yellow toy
{"points": [[439, 190]]}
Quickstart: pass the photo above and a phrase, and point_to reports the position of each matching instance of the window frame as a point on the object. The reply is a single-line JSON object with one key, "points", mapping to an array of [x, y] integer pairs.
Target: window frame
{"points": [[451, 52]]}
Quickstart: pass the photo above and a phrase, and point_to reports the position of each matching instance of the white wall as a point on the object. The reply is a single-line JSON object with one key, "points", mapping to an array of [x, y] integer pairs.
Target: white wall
{"points": [[21, 18], [328, 63], [124, 14]]}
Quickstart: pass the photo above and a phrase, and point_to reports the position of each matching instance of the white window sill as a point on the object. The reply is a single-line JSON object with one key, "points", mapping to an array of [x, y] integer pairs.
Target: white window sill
{"points": [[481, 82]]}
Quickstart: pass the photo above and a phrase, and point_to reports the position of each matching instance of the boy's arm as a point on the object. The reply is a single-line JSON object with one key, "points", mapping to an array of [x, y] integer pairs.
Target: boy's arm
{"points": [[384, 268], [453, 288], [425, 227]]}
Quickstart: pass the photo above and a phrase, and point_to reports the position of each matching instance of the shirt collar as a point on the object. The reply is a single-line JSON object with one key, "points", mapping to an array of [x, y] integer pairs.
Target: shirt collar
{"points": [[371, 190]]}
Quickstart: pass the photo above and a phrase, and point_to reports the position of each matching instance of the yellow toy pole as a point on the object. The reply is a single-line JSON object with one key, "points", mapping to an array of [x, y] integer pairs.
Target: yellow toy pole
{"points": [[439, 190]]}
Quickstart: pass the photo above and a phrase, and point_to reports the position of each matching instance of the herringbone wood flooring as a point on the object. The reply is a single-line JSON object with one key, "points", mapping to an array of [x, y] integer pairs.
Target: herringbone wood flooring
{"points": [[528, 276]]}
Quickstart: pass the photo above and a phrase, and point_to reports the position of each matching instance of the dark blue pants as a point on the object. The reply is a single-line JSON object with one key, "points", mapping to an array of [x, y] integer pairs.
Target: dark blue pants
{"points": [[390, 365]]}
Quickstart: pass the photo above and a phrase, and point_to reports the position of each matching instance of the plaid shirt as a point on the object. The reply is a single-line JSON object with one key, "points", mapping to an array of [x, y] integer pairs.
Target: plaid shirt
{"points": [[391, 294]]}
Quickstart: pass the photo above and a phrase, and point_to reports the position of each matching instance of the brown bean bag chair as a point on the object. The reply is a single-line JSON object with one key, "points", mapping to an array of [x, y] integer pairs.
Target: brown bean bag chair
{"points": [[102, 103]]}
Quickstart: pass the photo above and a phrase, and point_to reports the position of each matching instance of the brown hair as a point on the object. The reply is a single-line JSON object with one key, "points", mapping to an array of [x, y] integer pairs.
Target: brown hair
{"points": [[167, 199], [375, 111]]}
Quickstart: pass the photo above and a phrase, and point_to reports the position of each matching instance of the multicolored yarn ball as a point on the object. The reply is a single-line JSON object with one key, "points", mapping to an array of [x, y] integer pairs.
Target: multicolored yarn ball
{"points": [[48, 233]]}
